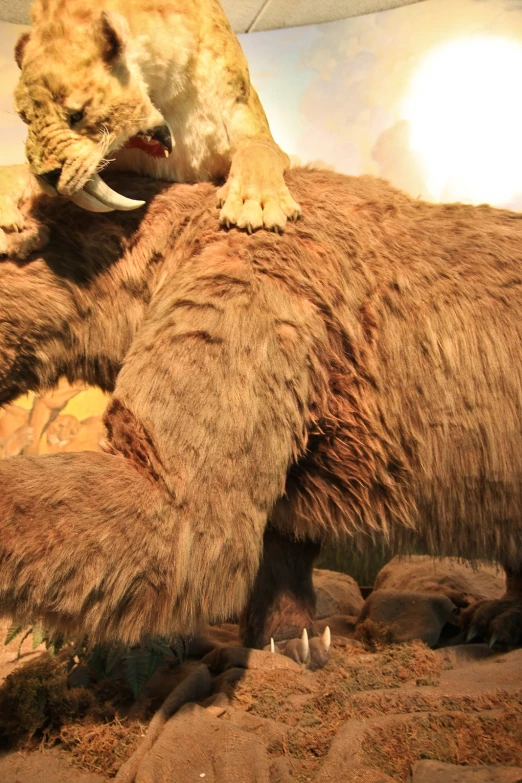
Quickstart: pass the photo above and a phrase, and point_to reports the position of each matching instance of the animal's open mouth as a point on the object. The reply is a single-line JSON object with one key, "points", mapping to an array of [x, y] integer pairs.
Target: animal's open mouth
{"points": [[156, 142], [97, 196]]}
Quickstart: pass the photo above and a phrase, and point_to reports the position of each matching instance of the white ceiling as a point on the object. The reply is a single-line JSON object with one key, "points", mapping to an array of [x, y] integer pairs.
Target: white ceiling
{"points": [[248, 16]]}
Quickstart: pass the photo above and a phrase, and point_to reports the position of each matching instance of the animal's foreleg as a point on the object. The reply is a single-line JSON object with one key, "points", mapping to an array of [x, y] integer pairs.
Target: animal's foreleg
{"points": [[255, 194], [282, 601], [166, 532], [280, 614], [19, 235]]}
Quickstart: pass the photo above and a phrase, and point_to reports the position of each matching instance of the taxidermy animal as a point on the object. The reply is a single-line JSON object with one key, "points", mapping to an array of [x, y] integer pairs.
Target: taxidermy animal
{"points": [[359, 377], [161, 88]]}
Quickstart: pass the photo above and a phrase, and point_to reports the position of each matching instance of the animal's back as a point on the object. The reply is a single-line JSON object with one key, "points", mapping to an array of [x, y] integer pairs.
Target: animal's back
{"points": [[424, 419]]}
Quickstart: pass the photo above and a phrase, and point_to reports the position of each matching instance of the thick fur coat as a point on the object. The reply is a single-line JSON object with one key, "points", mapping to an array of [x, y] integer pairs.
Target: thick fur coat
{"points": [[359, 376]]}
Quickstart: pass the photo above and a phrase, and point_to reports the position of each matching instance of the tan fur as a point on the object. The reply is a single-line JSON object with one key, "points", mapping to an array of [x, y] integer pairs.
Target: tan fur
{"points": [[359, 376], [129, 66], [15, 186]]}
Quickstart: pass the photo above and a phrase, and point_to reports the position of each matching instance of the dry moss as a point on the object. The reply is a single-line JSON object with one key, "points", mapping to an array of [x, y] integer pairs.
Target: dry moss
{"points": [[37, 707], [377, 705], [374, 635], [491, 738], [367, 685], [35, 700], [101, 747]]}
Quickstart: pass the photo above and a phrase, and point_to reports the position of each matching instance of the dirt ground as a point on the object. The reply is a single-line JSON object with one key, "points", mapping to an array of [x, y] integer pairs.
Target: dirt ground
{"points": [[370, 715]]}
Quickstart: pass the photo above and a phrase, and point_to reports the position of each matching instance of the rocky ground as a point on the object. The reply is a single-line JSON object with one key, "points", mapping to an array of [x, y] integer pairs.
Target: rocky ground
{"points": [[387, 707]]}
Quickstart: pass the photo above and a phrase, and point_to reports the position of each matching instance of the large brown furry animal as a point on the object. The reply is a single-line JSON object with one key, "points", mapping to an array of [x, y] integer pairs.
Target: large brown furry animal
{"points": [[359, 376]]}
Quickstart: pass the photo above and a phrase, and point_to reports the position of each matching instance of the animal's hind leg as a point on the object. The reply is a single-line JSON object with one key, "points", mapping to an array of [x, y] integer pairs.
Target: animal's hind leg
{"points": [[497, 622], [282, 603], [85, 540]]}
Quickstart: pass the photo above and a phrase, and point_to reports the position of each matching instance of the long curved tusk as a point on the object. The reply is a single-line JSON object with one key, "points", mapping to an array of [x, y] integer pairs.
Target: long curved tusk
{"points": [[83, 200], [100, 190]]}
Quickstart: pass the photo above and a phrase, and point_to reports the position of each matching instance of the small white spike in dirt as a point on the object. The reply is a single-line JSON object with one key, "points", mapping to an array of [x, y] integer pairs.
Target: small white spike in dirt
{"points": [[272, 645], [305, 646], [327, 638]]}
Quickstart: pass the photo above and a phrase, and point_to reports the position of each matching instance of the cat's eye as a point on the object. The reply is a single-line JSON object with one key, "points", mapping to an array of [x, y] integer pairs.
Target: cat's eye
{"points": [[76, 117]]}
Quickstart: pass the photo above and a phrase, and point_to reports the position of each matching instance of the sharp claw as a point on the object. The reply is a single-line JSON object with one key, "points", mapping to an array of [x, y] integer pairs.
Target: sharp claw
{"points": [[472, 634], [493, 641], [305, 645], [272, 645], [327, 638]]}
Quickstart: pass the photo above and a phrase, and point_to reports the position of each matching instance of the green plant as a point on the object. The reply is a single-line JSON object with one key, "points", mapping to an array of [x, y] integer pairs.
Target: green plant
{"points": [[98, 662]]}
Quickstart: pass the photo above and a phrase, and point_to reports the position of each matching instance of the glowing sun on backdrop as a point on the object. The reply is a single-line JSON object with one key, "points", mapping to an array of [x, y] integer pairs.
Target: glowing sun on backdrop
{"points": [[465, 114]]}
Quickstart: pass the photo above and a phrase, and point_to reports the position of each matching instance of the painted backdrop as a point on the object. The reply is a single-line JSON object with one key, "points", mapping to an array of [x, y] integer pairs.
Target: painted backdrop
{"points": [[426, 96]]}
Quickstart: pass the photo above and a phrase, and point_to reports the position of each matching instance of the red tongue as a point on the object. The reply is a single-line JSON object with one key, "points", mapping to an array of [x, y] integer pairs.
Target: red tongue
{"points": [[153, 148]]}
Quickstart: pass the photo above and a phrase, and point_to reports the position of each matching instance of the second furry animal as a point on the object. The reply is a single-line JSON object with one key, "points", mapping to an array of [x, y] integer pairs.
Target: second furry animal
{"points": [[159, 87]]}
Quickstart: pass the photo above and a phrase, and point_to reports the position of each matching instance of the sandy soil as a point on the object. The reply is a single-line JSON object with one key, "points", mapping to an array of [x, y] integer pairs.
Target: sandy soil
{"points": [[370, 716]]}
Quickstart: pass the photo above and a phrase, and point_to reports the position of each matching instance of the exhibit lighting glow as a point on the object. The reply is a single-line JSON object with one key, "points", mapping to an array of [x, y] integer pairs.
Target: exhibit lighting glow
{"points": [[466, 119]]}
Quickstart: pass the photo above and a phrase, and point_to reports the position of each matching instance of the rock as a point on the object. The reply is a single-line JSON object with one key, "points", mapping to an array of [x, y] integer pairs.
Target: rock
{"points": [[336, 593], [499, 671], [271, 732], [43, 768], [212, 636], [223, 658], [195, 745], [461, 655], [460, 582], [438, 772], [354, 775], [227, 681], [412, 615], [339, 624], [166, 677], [346, 759]]}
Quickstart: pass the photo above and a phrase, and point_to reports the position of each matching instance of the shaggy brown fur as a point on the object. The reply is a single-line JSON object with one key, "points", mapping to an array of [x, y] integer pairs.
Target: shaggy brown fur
{"points": [[360, 375]]}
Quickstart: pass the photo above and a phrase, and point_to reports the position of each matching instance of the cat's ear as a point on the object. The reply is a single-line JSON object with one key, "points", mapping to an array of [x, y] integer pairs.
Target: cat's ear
{"points": [[114, 36], [20, 48]]}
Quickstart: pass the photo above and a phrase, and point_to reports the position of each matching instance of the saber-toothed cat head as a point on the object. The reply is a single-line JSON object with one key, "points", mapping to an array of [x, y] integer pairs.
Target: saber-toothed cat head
{"points": [[82, 96]]}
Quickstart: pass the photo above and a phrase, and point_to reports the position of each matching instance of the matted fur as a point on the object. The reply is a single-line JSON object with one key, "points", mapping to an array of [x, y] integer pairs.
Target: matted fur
{"points": [[360, 375]]}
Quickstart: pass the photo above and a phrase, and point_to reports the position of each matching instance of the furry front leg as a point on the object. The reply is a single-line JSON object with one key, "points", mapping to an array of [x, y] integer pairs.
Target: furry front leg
{"points": [[19, 236], [166, 532], [255, 194]]}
